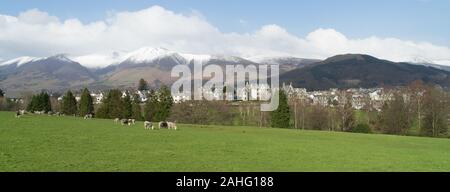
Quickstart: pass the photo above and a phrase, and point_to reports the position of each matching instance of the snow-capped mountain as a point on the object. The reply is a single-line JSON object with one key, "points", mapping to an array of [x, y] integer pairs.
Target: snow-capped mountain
{"points": [[168, 58], [99, 61], [159, 56], [155, 65], [147, 54], [123, 68], [196, 58], [118, 69], [20, 60], [52, 73]]}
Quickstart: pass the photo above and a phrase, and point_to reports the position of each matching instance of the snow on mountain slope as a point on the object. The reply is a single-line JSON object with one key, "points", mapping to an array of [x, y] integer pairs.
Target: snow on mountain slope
{"points": [[21, 60], [151, 55], [147, 54], [278, 59], [158, 55], [139, 56], [96, 60], [197, 59], [443, 62]]}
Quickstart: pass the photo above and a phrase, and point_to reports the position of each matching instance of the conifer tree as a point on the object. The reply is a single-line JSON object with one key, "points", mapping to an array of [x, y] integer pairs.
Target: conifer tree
{"points": [[86, 105], [46, 104], [127, 106], [150, 106], [165, 103], [69, 104], [143, 85], [32, 105], [281, 116], [112, 105], [40, 102], [136, 108]]}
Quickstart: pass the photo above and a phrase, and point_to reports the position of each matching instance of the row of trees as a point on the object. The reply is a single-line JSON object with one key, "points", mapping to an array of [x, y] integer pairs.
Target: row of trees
{"points": [[298, 113], [40, 102], [7, 104], [427, 108], [158, 105], [417, 109], [69, 105], [336, 117], [156, 108], [203, 112], [115, 105]]}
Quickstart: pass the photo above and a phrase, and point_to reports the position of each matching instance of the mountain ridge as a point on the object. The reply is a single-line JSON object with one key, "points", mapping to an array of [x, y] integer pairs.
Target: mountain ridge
{"points": [[62, 71], [359, 70]]}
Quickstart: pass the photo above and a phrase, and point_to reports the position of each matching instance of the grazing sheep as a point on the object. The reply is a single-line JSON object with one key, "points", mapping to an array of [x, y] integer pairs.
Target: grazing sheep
{"points": [[125, 122], [132, 121], [39, 112], [88, 116], [148, 125], [18, 114], [172, 125], [163, 125], [116, 120]]}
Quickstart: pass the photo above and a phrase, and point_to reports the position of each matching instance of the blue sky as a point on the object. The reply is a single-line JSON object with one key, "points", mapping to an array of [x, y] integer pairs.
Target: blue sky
{"points": [[418, 20]]}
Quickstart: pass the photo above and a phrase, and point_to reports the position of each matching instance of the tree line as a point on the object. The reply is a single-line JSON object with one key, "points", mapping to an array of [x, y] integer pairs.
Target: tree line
{"points": [[417, 109], [115, 104], [7, 104]]}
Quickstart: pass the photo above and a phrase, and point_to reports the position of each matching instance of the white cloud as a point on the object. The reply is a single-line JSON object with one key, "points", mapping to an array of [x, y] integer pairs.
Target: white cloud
{"points": [[36, 33], [34, 16]]}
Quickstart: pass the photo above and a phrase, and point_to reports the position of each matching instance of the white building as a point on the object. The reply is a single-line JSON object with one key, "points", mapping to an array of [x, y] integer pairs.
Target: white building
{"points": [[97, 97]]}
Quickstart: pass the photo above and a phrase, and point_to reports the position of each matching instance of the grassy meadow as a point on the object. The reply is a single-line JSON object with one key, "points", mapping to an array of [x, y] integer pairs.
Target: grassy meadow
{"points": [[48, 143]]}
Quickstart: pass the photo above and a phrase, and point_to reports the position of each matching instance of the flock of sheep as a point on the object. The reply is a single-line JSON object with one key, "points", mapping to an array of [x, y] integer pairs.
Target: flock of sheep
{"points": [[20, 113], [147, 124]]}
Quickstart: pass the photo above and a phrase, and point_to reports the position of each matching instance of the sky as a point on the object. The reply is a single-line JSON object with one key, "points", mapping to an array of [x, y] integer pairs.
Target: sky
{"points": [[400, 30]]}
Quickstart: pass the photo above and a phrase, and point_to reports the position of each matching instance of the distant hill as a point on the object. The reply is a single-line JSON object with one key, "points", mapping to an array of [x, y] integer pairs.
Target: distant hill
{"points": [[357, 70], [286, 63], [60, 72], [442, 67], [51, 73], [155, 65]]}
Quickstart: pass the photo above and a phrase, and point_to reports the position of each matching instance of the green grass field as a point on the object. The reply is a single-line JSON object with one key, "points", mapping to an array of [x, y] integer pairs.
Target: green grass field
{"points": [[43, 143]]}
